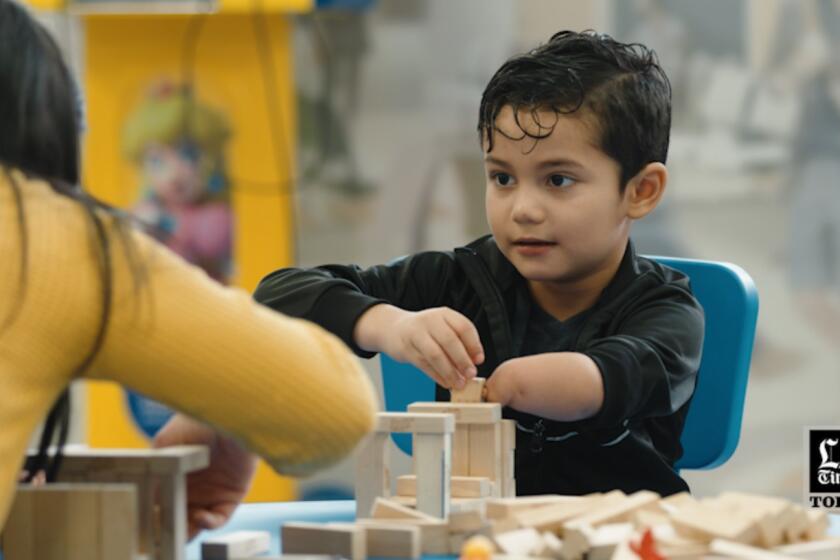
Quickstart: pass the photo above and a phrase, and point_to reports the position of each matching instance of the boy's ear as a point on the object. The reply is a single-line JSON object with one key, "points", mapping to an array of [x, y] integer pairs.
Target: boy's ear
{"points": [[645, 190]]}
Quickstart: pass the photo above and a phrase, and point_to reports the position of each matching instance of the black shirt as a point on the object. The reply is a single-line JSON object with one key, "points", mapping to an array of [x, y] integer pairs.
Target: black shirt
{"points": [[645, 334]]}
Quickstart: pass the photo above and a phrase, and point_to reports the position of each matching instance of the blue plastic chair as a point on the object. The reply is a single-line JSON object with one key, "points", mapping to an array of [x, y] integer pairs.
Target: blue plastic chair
{"points": [[713, 426]]}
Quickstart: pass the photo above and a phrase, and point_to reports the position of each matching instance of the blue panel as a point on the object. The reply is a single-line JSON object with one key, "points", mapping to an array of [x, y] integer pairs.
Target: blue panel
{"points": [[344, 4]]}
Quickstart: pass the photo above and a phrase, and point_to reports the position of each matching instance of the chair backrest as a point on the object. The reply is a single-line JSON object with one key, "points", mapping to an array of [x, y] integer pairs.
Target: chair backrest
{"points": [[713, 426]]}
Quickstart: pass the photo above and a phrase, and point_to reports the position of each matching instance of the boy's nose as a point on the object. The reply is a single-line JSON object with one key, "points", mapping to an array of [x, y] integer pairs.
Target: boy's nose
{"points": [[527, 209]]}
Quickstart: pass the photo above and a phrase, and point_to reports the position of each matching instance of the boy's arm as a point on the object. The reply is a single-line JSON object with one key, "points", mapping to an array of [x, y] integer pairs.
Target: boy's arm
{"points": [[335, 296], [648, 368], [531, 384]]}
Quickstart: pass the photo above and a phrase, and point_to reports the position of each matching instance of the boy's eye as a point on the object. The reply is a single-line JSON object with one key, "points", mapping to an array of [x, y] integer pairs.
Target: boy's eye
{"points": [[502, 179], [558, 180]]}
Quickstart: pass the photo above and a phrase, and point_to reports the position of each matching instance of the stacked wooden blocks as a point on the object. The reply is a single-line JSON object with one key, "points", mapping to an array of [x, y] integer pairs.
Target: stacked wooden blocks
{"points": [[100, 481]]}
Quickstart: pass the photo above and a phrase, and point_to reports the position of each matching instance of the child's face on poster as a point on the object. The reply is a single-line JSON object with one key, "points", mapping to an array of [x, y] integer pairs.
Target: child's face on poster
{"points": [[174, 173], [554, 205]]}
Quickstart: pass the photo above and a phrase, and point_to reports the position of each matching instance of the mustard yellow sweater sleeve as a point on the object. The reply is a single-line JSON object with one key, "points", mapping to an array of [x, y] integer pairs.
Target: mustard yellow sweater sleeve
{"points": [[287, 389]]}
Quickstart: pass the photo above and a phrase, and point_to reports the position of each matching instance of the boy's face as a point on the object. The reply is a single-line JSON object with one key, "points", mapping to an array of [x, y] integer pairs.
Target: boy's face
{"points": [[554, 205]]}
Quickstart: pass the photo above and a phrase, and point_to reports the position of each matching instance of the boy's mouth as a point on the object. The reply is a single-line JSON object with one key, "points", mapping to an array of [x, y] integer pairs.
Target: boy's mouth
{"points": [[532, 242]]}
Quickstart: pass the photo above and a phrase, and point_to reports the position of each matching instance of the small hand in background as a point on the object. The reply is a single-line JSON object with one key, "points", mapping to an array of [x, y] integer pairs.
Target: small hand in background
{"points": [[213, 493]]}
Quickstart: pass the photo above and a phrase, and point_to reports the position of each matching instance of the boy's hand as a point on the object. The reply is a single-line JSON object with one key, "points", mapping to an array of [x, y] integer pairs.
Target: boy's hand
{"points": [[440, 341]]}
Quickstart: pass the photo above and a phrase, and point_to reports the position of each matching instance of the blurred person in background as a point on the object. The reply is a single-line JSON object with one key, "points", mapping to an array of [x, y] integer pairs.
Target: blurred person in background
{"points": [[84, 295]]}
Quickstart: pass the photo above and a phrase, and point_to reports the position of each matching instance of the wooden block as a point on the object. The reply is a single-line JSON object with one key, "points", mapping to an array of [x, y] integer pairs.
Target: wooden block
{"points": [[68, 522], [434, 535], [771, 515], [504, 525], [168, 460], [461, 451], [645, 518], [617, 512], [746, 552], [466, 522], [313, 538], [677, 501], [555, 517], [465, 413], [594, 543], [20, 530], [706, 524], [817, 524], [552, 545], [120, 507], [147, 514], [521, 542], [828, 549], [239, 544], [460, 486], [508, 483], [389, 540], [389, 509], [486, 453], [172, 511], [433, 467], [501, 508], [373, 477], [471, 393], [797, 525], [415, 422]]}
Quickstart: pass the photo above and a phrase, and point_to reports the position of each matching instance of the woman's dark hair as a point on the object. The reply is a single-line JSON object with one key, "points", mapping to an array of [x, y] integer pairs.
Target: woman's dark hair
{"points": [[40, 119], [619, 86]]}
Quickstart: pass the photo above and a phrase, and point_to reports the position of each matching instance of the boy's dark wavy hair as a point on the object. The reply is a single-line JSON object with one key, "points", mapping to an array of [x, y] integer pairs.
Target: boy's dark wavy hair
{"points": [[619, 88]]}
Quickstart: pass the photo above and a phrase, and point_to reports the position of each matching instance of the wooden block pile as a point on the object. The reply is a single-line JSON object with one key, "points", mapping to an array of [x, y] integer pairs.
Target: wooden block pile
{"points": [[462, 450], [137, 496], [462, 489]]}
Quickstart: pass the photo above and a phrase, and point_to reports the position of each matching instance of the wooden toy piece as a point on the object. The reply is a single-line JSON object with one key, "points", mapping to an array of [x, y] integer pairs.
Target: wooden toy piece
{"points": [[596, 543], [828, 549], [388, 540], [486, 457], [706, 524], [471, 393], [434, 535], [72, 522], [743, 551], [817, 524], [465, 413], [552, 545], [554, 517], [388, 509], [673, 545], [466, 522], [372, 472], [239, 544], [619, 511], [508, 482], [460, 486], [521, 542], [461, 450], [160, 475], [797, 525], [501, 508], [771, 515], [677, 501], [433, 468], [314, 538], [406, 422]]}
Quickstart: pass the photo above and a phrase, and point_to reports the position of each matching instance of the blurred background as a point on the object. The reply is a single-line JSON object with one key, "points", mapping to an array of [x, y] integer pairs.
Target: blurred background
{"points": [[345, 132]]}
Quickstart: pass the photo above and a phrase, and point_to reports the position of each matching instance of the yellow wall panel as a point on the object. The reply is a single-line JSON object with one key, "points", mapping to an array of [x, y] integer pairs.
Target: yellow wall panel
{"points": [[124, 56]]}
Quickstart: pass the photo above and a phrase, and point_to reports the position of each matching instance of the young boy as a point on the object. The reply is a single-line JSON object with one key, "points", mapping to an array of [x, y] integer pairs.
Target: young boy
{"points": [[592, 349]]}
